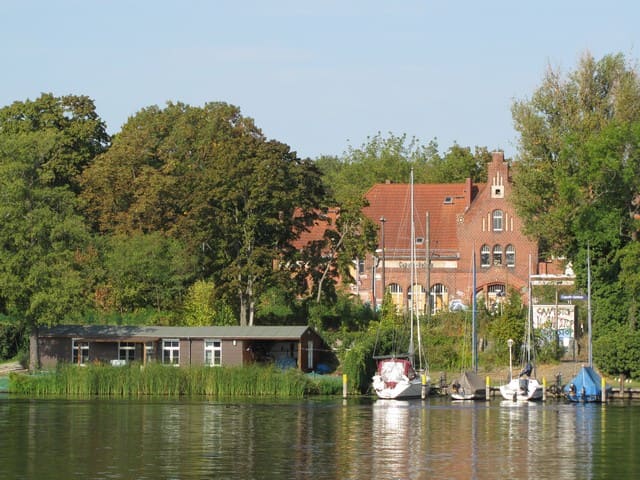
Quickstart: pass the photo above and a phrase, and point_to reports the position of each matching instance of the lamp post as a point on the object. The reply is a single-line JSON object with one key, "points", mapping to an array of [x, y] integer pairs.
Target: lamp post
{"points": [[510, 343], [382, 222]]}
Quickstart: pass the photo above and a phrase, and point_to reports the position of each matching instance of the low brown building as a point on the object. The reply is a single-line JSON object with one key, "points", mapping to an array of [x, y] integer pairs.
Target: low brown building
{"points": [[285, 346]]}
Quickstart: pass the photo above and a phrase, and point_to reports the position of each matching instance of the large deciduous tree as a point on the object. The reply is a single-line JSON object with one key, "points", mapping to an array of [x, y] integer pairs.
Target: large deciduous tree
{"points": [[577, 181], [44, 144], [209, 177]]}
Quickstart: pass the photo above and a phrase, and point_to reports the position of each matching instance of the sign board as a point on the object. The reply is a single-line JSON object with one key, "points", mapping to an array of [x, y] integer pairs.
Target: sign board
{"points": [[573, 297], [560, 318]]}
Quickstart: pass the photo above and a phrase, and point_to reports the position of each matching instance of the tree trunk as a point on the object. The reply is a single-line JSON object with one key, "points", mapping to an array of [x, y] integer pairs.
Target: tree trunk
{"points": [[34, 350]]}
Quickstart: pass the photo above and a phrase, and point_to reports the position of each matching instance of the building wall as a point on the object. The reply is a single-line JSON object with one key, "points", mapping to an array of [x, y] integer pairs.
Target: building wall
{"points": [[453, 268]]}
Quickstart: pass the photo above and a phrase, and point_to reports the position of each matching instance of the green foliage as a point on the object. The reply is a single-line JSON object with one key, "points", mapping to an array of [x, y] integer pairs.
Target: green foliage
{"points": [[13, 339], [144, 270], [617, 352], [44, 144]]}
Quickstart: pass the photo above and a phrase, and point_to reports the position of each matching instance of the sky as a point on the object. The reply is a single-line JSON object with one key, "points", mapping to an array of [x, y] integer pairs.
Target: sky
{"points": [[320, 76]]}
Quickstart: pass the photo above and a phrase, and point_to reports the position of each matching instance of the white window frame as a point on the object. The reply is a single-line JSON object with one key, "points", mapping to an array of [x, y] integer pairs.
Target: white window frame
{"points": [[510, 255], [485, 256], [171, 351], [126, 351], [79, 347], [497, 220], [498, 259], [213, 352], [150, 351]]}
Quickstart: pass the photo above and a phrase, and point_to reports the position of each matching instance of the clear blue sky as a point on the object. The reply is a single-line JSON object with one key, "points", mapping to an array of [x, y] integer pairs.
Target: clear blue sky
{"points": [[316, 75]]}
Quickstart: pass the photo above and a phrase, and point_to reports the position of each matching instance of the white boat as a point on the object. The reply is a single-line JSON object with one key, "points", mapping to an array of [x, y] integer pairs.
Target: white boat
{"points": [[522, 389], [525, 387], [397, 377]]}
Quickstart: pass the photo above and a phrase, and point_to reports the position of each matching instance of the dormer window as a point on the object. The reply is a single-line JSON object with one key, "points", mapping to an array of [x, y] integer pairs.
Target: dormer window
{"points": [[419, 241], [448, 200]]}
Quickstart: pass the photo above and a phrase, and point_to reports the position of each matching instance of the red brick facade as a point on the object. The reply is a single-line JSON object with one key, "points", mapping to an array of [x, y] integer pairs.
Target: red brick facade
{"points": [[451, 222]]}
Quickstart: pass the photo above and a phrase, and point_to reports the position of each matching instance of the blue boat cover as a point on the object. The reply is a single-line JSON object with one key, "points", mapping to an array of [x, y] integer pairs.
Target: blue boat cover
{"points": [[586, 386]]}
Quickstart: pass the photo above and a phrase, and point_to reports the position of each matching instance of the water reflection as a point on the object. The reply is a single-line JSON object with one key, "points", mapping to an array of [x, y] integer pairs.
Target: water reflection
{"points": [[316, 438]]}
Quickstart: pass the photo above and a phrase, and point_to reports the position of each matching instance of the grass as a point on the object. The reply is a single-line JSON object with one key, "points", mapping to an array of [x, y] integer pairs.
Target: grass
{"points": [[156, 379]]}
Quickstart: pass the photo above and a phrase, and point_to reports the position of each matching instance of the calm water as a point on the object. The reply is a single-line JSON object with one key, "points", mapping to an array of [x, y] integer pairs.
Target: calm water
{"points": [[315, 439]]}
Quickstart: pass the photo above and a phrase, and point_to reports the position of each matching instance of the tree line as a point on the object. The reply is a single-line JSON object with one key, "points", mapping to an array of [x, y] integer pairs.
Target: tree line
{"points": [[189, 215]]}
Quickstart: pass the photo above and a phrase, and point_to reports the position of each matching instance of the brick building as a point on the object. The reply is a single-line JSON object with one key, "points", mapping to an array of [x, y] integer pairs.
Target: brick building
{"points": [[451, 222]]}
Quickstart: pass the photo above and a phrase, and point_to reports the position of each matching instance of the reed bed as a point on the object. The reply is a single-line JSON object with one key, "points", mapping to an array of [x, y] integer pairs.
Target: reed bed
{"points": [[157, 379]]}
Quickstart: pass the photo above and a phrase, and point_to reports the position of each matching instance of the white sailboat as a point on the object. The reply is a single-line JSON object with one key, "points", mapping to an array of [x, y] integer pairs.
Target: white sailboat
{"points": [[397, 376], [525, 387]]}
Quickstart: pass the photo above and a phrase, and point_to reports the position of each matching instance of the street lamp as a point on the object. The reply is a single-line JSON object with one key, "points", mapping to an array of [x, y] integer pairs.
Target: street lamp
{"points": [[382, 221], [510, 343]]}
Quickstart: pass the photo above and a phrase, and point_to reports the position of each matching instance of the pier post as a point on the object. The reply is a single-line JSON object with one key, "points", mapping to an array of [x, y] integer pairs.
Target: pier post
{"points": [[604, 390], [423, 379], [544, 389], [487, 388], [344, 385]]}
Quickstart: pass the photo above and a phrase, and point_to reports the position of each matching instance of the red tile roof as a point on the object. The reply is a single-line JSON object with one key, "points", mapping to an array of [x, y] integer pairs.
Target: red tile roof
{"points": [[444, 202]]}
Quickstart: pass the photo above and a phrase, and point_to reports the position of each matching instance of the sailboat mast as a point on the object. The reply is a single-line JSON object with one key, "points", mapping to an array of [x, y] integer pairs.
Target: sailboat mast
{"points": [[474, 333], [589, 305], [412, 275]]}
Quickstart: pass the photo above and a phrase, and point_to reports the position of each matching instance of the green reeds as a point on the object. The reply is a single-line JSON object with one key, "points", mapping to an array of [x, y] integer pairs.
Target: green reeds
{"points": [[157, 379]]}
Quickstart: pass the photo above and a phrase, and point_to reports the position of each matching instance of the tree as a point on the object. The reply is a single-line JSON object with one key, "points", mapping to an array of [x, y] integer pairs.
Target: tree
{"points": [[43, 239], [458, 164], [553, 176], [145, 270], [208, 177], [577, 181]]}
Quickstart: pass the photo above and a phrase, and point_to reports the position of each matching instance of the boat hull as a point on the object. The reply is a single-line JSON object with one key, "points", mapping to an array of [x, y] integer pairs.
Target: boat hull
{"points": [[522, 390], [401, 390], [585, 387]]}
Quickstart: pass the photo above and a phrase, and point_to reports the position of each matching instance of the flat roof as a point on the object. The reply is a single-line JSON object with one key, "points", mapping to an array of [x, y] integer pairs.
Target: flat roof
{"points": [[121, 332]]}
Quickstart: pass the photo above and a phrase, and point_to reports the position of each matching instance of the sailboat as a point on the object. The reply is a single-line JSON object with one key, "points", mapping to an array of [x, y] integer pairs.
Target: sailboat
{"points": [[525, 387], [586, 386], [397, 377], [470, 385]]}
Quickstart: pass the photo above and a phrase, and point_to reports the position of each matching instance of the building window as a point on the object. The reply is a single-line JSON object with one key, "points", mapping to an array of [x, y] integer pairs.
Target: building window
{"points": [[497, 220], [439, 298], [396, 295], [127, 351], [213, 353], [510, 254], [171, 351], [485, 256], [150, 351], [419, 298], [80, 352], [497, 255]]}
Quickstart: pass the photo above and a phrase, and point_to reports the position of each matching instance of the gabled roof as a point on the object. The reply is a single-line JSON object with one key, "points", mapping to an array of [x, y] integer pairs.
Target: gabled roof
{"points": [[315, 232], [443, 202], [122, 333]]}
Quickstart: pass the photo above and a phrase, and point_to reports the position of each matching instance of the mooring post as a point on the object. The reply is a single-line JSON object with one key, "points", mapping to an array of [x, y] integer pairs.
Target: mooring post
{"points": [[344, 385], [604, 390], [544, 388], [487, 388], [423, 379]]}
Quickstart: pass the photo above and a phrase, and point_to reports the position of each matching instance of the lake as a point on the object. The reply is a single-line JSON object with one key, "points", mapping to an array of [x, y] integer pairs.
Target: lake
{"points": [[317, 438]]}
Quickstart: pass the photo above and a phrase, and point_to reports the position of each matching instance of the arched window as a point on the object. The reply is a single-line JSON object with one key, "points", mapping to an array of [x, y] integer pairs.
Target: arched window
{"points": [[396, 295], [485, 256], [497, 255], [510, 254], [439, 298], [497, 220], [419, 298]]}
